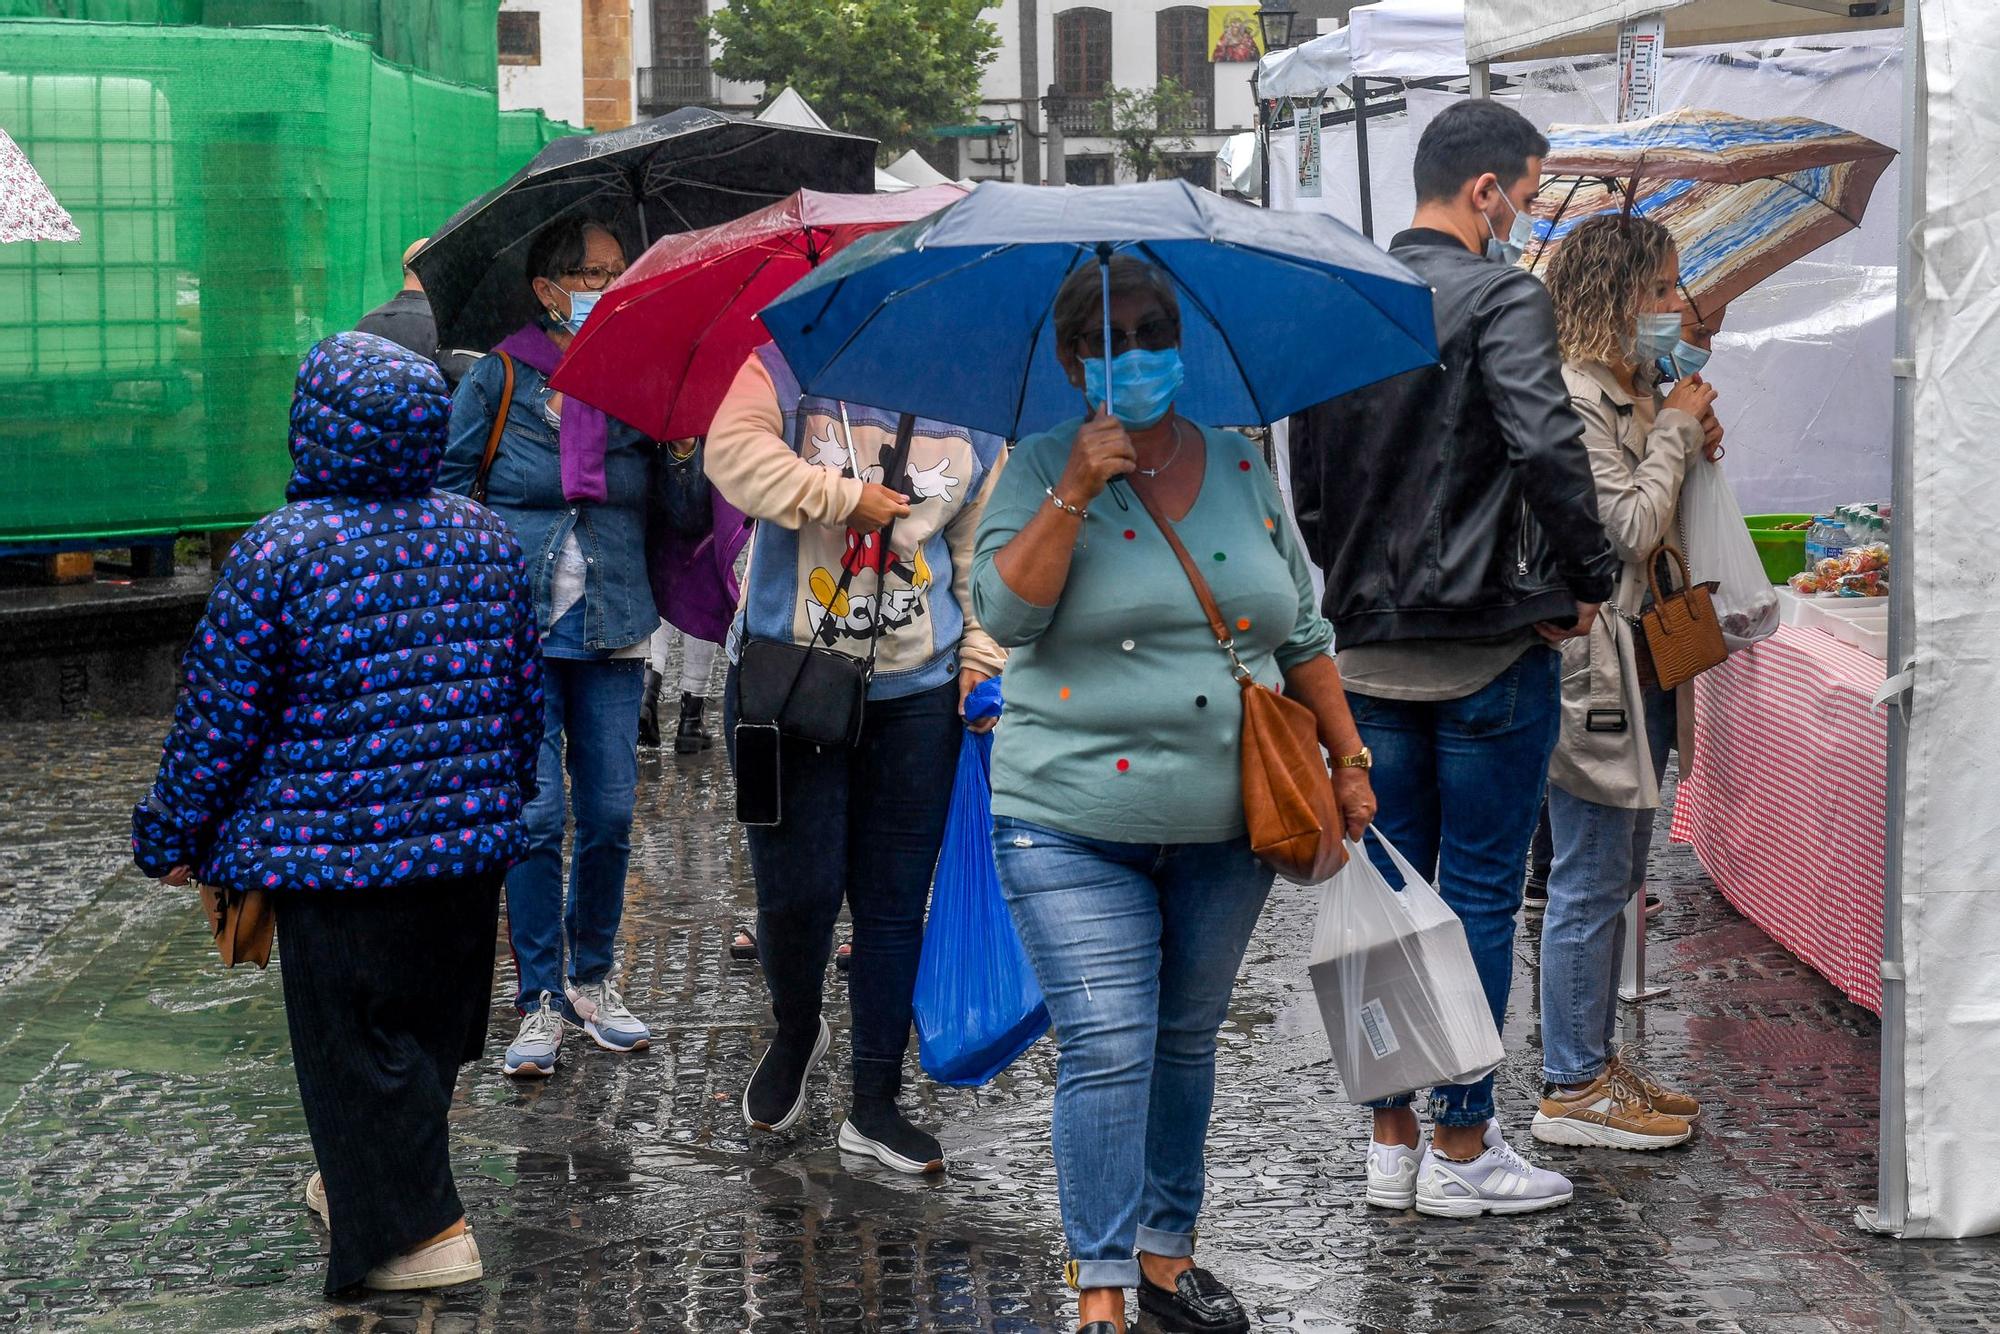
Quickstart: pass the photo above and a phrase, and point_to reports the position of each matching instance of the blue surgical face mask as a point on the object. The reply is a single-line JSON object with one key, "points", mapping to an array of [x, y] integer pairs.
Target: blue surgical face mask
{"points": [[1655, 337], [580, 304], [1519, 237], [1144, 382], [1686, 359]]}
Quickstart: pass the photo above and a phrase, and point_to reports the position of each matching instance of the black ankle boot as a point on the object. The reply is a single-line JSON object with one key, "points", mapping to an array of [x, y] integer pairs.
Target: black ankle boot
{"points": [[649, 709], [878, 1128], [691, 738]]}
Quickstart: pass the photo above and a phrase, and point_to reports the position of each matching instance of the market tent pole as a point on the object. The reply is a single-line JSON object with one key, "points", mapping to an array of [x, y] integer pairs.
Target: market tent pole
{"points": [[1360, 90], [1892, 1169]]}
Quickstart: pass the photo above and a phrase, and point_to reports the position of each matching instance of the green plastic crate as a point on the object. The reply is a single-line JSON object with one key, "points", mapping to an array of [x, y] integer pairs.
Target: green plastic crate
{"points": [[1782, 550]]}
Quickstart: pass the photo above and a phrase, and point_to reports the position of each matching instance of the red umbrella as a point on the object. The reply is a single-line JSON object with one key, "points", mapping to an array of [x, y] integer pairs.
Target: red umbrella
{"points": [[667, 339]]}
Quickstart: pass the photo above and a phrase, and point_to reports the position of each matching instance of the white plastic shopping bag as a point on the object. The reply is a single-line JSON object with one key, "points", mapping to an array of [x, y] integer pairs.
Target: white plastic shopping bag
{"points": [[1718, 546], [1397, 990]]}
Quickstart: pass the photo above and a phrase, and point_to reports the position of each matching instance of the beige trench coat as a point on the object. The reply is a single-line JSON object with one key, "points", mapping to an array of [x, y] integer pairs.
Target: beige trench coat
{"points": [[1639, 454]]}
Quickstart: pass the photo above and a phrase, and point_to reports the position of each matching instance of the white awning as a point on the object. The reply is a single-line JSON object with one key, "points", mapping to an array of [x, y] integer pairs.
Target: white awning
{"points": [[1307, 70], [1532, 29], [1408, 39]]}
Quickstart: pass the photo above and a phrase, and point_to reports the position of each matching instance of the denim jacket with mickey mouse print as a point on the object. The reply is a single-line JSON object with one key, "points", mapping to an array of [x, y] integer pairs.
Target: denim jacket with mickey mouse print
{"points": [[363, 701]]}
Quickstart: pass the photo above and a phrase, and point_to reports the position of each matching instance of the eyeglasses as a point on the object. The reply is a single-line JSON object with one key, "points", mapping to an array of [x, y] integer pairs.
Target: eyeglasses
{"points": [[1154, 335], [596, 277]]}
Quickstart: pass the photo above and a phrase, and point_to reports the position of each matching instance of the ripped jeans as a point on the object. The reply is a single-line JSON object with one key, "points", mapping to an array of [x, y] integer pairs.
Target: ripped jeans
{"points": [[1137, 946]]}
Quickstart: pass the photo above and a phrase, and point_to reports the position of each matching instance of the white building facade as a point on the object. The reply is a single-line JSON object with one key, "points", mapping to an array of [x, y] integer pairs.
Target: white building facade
{"points": [[1036, 122]]}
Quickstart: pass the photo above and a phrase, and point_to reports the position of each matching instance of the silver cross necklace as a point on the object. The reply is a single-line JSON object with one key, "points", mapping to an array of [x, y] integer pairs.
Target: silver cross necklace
{"points": [[1155, 472]]}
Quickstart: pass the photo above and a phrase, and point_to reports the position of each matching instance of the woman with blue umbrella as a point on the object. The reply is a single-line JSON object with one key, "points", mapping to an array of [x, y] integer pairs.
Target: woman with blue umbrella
{"points": [[1138, 314], [1118, 804]]}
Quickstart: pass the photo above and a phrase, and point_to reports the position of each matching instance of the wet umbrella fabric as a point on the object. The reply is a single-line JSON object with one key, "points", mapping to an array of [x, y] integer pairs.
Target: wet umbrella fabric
{"points": [[28, 212], [667, 339], [1743, 197], [691, 169], [950, 317]]}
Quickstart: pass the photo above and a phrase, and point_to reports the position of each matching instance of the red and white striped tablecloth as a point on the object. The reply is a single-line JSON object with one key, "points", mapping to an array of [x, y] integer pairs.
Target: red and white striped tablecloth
{"points": [[1784, 804]]}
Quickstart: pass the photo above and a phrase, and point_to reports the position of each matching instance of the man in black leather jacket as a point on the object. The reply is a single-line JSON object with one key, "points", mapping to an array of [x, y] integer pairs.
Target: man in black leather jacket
{"points": [[1453, 512]]}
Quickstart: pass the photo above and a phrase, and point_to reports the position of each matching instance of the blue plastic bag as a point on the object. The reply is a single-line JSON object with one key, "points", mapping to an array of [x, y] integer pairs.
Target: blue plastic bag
{"points": [[978, 1004]]}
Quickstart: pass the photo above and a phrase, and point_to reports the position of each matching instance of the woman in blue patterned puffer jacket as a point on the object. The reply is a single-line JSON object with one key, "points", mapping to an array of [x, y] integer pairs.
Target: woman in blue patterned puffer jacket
{"points": [[357, 735]]}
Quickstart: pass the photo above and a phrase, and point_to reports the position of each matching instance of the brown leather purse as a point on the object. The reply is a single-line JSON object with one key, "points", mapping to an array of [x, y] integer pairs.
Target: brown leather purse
{"points": [[242, 923], [478, 491], [1683, 633], [1288, 800]]}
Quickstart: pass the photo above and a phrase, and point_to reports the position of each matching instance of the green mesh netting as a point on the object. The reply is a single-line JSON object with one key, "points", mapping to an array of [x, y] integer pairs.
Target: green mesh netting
{"points": [[241, 193], [453, 39]]}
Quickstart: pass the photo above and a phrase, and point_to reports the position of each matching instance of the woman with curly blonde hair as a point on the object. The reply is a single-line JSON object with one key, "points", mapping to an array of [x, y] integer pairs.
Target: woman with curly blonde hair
{"points": [[1615, 284]]}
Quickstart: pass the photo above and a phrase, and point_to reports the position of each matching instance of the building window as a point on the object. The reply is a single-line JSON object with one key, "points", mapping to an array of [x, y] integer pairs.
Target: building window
{"points": [[1093, 170], [520, 37], [1183, 57], [677, 33], [1083, 51]]}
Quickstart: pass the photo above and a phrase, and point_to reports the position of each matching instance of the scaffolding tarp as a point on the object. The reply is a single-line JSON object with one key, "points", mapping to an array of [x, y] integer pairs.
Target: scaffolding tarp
{"points": [[452, 39], [241, 193]]}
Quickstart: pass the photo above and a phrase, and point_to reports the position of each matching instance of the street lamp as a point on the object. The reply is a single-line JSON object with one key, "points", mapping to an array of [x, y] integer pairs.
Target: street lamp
{"points": [[1275, 21]]}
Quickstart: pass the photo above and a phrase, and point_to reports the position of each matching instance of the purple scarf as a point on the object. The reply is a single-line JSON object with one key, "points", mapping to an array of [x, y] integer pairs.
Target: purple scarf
{"points": [[583, 431], [693, 578]]}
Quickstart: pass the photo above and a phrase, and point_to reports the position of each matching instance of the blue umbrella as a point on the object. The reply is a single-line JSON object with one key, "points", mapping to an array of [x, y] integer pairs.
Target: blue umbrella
{"points": [[949, 317]]}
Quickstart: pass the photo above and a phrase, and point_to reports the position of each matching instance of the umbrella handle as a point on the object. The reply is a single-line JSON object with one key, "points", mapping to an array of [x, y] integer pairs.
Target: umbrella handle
{"points": [[1104, 273]]}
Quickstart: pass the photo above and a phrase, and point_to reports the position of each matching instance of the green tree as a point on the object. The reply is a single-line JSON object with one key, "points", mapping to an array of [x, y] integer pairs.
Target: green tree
{"points": [[889, 69], [1147, 124]]}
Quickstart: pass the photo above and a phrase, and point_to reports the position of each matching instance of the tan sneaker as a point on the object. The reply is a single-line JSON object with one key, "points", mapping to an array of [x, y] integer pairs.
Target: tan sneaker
{"points": [[1612, 1113], [316, 1197], [1663, 1099], [438, 1265]]}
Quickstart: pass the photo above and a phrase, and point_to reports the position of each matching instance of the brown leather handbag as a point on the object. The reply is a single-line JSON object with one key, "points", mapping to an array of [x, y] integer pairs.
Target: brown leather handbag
{"points": [[1288, 800], [1683, 633], [242, 923]]}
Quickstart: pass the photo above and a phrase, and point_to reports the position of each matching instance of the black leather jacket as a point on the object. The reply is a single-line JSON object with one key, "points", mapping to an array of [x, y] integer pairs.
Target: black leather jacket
{"points": [[1455, 501]]}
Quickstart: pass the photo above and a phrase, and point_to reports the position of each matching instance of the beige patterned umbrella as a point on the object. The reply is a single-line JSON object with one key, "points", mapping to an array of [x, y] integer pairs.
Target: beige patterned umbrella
{"points": [[1743, 197], [28, 212]]}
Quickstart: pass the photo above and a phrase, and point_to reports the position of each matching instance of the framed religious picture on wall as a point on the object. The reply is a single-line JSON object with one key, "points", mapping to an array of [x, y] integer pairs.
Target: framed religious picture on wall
{"points": [[1233, 37]]}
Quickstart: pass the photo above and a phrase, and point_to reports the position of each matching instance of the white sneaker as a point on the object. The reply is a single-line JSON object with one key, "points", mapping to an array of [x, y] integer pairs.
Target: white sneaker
{"points": [[438, 1265], [538, 1045], [602, 1012], [316, 1197], [1392, 1175], [1498, 1181]]}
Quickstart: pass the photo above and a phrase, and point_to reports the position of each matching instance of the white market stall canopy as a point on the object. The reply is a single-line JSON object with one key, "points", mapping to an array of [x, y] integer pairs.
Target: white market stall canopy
{"points": [[1307, 70], [1408, 39], [1391, 39], [1536, 29]]}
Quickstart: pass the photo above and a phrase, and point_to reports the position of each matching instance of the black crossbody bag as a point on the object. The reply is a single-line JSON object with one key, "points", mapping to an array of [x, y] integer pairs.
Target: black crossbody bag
{"points": [[816, 693]]}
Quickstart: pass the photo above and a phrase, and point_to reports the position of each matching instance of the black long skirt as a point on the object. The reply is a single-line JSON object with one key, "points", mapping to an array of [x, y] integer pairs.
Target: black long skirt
{"points": [[386, 993]]}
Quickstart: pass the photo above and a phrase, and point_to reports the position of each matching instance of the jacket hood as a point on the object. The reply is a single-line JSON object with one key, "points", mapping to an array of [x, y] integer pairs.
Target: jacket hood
{"points": [[369, 418]]}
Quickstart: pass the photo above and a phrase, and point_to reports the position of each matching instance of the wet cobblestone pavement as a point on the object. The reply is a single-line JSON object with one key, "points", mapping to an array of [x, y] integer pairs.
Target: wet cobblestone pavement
{"points": [[152, 1148]]}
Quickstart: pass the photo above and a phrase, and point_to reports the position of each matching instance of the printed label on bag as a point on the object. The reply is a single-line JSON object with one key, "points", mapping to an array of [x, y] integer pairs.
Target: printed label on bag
{"points": [[1375, 1027]]}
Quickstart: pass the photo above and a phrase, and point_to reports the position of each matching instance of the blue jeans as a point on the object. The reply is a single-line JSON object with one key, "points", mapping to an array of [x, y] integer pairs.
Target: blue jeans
{"points": [[863, 825], [1136, 947], [594, 703], [1600, 863], [1459, 784]]}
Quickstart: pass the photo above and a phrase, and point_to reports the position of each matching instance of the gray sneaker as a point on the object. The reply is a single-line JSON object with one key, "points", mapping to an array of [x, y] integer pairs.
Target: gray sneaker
{"points": [[535, 1048], [1498, 1181], [601, 1010]]}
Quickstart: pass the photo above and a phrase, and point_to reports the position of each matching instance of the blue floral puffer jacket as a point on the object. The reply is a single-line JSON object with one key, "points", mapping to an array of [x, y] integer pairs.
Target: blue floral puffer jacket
{"points": [[363, 703]]}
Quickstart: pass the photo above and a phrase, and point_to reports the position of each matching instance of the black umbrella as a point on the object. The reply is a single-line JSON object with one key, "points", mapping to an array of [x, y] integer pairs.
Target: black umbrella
{"points": [[690, 169]]}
